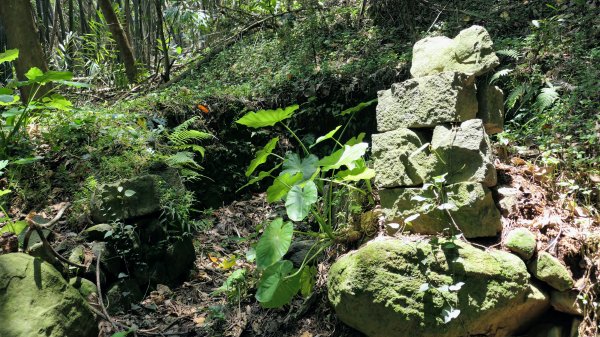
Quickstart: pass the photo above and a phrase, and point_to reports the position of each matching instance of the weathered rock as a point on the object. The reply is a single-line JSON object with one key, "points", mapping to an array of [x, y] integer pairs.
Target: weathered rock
{"points": [[427, 101], [549, 269], [116, 202], [474, 213], [509, 201], [491, 107], [96, 232], [521, 242], [463, 153], [471, 52], [35, 300], [395, 288], [390, 152], [122, 295], [566, 301], [84, 286]]}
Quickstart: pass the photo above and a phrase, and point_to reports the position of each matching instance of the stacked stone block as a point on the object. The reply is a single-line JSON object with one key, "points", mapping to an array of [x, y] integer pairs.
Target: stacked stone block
{"points": [[438, 123]]}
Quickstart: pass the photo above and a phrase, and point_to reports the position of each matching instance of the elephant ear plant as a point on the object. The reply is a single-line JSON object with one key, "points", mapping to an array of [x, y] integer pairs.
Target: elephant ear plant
{"points": [[306, 184]]}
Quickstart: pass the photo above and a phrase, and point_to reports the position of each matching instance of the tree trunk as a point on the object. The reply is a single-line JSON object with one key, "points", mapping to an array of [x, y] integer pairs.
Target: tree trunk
{"points": [[166, 76], [22, 34], [119, 35]]}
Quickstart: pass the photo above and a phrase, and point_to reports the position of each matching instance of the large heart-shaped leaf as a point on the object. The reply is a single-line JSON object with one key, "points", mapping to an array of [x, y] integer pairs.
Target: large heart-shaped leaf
{"points": [[274, 242], [261, 156], [274, 289], [264, 118], [345, 156], [360, 172], [329, 135], [307, 166], [282, 185], [356, 140], [300, 199], [9, 55]]}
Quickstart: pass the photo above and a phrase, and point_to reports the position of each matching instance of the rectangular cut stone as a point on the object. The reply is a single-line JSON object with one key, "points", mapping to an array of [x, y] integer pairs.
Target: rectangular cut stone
{"points": [[474, 210], [390, 152], [491, 107], [427, 101], [464, 153]]}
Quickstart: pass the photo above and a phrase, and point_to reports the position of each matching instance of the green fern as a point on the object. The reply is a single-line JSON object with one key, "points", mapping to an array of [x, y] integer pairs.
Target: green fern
{"points": [[183, 159], [500, 73], [511, 53], [515, 95], [546, 98]]}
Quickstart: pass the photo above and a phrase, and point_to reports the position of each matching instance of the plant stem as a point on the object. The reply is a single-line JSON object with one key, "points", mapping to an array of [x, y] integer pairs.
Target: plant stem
{"points": [[296, 137]]}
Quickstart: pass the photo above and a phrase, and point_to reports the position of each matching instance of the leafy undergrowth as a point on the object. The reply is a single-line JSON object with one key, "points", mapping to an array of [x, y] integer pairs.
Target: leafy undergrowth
{"points": [[199, 308]]}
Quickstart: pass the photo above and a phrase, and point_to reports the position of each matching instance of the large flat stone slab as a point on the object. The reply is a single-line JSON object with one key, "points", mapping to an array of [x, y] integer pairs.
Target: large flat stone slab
{"points": [[390, 152], [471, 52], [491, 107], [400, 288], [474, 210], [427, 101], [462, 152]]}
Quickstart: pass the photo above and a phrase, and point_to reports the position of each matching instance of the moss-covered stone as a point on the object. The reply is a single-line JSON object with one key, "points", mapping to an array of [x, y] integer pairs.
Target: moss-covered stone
{"points": [[549, 269], [521, 242], [122, 295], [116, 202], [84, 286], [390, 152], [491, 106], [35, 300], [96, 232], [471, 52], [567, 302], [427, 101], [463, 153], [475, 214], [379, 290]]}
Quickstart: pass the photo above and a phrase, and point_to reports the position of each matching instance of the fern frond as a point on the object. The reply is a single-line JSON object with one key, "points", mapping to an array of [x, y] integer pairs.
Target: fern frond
{"points": [[182, 159], [511, 53], [514, 96], [500, 73], [185, 137], [186, 124], [546, 98]]}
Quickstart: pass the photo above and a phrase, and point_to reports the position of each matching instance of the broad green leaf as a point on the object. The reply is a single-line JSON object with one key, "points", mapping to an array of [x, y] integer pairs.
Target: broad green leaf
{"points": [[129, 193], [12, 112], [25, 161], [307, 280], [329, 135], [34, 73], [9, 55], [345, 156], [360, 172], [14, 227], [281, 186], [358, 108], [261, 156], [307, 166], [274, 243], [264, 118], [3, 164], [9, 99], [300, 199], [356, 140], [4, 192], [274, 289], [74, 84], [6, 91], [53, 76], [122, 333], [261, 175], [58, 102]]}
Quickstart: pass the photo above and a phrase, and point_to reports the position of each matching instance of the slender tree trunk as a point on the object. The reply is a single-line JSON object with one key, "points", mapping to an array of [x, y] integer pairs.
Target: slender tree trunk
{"points": [[82, 18], [22, 33], [71, 16], [61, 19], [119, 35], [166, 76], [127, 24]]}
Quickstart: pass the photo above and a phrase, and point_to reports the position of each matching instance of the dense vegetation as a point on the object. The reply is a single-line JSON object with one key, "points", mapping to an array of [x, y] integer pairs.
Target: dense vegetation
{"points": [[91, 109]]}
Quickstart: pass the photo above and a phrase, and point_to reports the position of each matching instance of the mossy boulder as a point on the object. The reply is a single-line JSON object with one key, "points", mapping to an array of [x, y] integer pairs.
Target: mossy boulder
{"points": [[567, 302], [398, 288], [491, 106], [126, 199], [521, 242], [427, 101], [84, 286], [390, 152], [549, 269], [475, 212], [471, 52], [35, 300], [463, 153], [96, 232]]}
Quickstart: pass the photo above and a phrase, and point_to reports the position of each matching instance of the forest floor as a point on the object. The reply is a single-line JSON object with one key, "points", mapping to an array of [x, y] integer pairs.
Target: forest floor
{"points": [[193, 309]]}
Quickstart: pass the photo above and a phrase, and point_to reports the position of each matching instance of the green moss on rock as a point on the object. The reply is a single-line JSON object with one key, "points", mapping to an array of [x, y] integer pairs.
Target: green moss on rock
{"points": [[378, 290], [521, 242], [549, 269], [35, 300]]}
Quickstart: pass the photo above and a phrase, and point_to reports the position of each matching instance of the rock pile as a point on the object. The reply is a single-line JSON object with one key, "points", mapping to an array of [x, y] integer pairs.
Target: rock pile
{"points": [[437, 124]]}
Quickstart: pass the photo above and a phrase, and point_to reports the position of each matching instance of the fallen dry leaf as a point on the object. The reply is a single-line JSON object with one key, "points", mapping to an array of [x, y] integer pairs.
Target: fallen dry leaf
{"points": [[199, 321]]}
